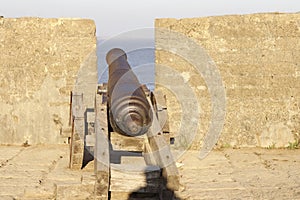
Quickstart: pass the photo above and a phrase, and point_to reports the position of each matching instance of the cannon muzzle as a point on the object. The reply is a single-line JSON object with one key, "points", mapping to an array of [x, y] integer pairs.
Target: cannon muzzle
{"points": [[129, 109]]}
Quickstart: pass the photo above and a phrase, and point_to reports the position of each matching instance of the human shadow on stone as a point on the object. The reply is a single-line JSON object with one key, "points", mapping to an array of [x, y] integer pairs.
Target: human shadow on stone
{"points": [[156, 189]]}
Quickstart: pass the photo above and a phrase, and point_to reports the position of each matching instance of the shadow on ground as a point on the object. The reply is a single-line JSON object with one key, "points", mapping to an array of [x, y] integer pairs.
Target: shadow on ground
{"points": [[155, 190]]}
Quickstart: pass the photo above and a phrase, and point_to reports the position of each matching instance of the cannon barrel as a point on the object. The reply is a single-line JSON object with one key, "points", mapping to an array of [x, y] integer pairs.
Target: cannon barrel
{"points": [[129, 109]]}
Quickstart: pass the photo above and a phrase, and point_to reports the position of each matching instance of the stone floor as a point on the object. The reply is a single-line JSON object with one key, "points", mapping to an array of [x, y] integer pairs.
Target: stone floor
{"points": [[41, 172], [241, 174]]}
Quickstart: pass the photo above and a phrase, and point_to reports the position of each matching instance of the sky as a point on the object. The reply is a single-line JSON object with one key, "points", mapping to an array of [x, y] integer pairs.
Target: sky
{"points": [[114, 17]]}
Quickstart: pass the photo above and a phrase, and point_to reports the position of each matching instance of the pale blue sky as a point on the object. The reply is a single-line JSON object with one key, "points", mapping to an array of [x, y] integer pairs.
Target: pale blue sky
{"points": [[113, 17]]}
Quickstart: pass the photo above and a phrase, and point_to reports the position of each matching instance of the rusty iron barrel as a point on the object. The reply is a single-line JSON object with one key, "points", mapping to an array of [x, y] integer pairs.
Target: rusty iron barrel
{"points": [[129, 109]]}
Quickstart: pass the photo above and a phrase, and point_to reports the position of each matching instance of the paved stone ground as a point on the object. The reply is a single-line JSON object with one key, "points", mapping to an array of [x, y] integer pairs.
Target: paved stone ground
{"points": [[241, 174], [41, 172]]}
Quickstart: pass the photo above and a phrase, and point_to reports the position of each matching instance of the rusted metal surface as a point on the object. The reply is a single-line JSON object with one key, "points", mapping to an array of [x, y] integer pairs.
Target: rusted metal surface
{"points": [[129, 110]]}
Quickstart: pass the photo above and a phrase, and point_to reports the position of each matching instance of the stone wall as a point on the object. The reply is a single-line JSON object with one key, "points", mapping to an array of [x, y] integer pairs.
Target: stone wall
{"points": [[258, 57], [40, 62]]}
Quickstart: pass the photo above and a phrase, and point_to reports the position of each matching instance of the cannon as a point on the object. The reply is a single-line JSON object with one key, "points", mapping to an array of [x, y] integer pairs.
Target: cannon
{"points": [[126, 135], [129, 109]]}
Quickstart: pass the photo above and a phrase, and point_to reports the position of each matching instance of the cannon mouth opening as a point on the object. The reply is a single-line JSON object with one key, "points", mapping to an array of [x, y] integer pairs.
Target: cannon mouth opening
{"points": [[133, 122], [131, 117]]}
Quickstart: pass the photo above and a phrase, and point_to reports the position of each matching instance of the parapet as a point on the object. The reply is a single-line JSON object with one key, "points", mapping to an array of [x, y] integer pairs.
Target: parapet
{"points": [[40, 62], [257, 56]]}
